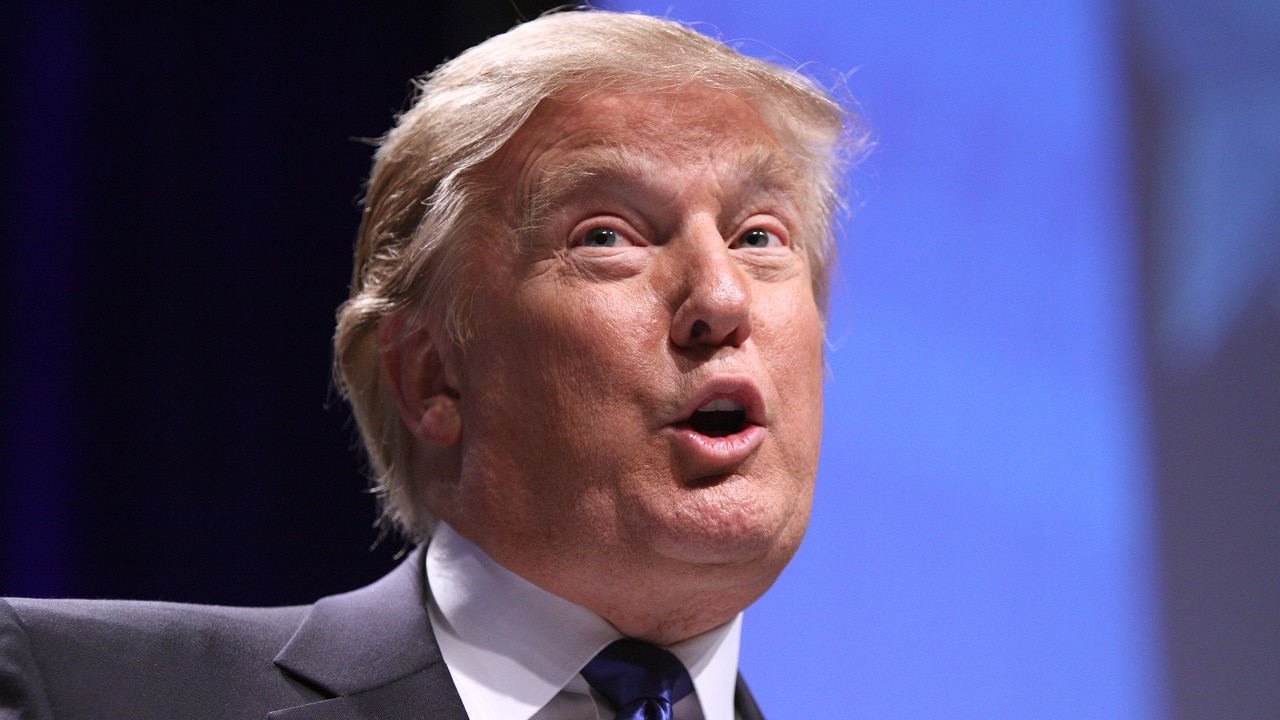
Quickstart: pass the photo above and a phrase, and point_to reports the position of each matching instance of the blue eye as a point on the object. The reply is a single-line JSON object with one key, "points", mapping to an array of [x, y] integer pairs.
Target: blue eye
{"points": [[758, 238], [600, 237]]}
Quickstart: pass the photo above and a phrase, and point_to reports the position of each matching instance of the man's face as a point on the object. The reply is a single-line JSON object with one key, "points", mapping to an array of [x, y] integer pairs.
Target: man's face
{"points": [[641, 400]]}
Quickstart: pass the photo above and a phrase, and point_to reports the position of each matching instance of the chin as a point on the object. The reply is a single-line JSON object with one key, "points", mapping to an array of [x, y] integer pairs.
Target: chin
{"points": [[722, 526], [740, 551]]}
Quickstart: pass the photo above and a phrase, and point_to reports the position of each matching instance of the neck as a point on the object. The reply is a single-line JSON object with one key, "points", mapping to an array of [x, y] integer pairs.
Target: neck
{"points": [[663, 603]]}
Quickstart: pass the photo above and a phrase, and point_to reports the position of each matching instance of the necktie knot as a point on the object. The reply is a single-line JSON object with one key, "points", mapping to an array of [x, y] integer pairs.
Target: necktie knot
{"points": [[642, 681]]}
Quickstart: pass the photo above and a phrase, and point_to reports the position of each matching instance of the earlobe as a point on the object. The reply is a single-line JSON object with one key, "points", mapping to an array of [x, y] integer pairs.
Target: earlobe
{"points": [[423, 384], [441, 423]]}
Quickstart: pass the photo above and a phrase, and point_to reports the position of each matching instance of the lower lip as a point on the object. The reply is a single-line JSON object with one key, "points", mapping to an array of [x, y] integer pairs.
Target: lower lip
{"points": [[724, 450]]}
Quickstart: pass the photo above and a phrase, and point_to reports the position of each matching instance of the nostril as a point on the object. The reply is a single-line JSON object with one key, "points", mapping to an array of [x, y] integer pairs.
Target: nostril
{"points": [[699, 327]]}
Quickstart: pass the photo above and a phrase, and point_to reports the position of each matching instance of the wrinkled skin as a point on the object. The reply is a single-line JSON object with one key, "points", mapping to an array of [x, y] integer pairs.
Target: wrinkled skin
{"points": [[661, 272]]}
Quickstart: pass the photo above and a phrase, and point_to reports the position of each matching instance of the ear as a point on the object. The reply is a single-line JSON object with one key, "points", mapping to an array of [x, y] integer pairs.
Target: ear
{"points": [[422, 380]]}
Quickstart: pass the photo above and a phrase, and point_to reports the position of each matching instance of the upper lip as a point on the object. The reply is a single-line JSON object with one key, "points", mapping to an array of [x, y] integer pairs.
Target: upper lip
{"points": [[736, 389]]}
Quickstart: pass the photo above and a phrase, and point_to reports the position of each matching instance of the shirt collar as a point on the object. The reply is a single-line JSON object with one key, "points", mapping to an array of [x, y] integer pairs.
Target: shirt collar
{"points": [[512, 646]]}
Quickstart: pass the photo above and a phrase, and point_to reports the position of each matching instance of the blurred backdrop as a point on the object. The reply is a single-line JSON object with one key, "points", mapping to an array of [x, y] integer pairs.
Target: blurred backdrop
{"points": [[1051, 476]]}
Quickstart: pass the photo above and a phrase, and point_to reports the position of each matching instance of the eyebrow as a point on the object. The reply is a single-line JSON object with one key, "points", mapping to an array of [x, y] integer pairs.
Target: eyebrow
{"points": [[757, 171]]}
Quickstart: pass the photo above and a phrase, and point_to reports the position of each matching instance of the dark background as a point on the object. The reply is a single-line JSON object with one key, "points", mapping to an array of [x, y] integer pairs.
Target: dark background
{"points": [[180, 185]]}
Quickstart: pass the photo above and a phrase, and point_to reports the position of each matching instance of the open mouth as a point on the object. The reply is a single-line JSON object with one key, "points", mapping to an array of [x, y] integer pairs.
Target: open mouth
{"points": [[719, 418]]}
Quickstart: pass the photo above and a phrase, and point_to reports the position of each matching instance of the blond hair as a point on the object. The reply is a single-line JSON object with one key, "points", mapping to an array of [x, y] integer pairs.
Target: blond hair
{"points": [[425, 196]]}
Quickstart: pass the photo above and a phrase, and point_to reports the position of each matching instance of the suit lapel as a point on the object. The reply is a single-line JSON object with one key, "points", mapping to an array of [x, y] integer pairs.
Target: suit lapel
{"points": [[373, 653], [744, 705], [428, 694]]}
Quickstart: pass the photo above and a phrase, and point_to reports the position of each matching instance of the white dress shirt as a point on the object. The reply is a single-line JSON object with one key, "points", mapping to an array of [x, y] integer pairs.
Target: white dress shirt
{"points": [[515, 650]]}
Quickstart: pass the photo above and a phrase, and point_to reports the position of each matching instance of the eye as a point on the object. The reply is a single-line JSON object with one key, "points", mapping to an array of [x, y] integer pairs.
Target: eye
{"points": [[602, 237], [757, 238]]}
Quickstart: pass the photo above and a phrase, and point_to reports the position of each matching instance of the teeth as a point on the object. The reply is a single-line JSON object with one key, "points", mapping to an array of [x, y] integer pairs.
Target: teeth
{"points": [[721, 405]]}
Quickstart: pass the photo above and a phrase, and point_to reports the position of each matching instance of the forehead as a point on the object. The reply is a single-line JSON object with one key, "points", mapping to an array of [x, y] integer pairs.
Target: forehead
{"points": [[689, 121], [625, 132]]}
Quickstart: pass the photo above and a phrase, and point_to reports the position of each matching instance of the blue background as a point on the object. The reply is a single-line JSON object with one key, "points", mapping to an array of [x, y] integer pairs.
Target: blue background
{"points": [[981, 545]]}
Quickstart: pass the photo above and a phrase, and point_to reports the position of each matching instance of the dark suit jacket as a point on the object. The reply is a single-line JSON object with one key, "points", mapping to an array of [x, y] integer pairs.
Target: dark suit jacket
{"points": [[364, 654]]}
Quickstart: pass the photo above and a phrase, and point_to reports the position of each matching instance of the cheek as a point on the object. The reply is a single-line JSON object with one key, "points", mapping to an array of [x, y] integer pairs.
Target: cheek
{"points": [[793, 340], [606, 337], [569, 360], [791, 334]]}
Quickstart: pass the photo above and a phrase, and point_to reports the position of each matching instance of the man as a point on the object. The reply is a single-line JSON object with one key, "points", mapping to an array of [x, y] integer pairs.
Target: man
{"points": [[584, 347]]}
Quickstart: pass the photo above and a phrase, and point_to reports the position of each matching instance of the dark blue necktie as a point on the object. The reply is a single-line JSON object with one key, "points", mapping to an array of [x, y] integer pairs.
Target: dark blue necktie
{"points": [[642, 681]]}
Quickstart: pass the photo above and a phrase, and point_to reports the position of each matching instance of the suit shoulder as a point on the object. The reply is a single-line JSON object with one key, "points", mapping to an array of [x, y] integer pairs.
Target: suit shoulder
{"points": [[125, 623], [87, 651]]}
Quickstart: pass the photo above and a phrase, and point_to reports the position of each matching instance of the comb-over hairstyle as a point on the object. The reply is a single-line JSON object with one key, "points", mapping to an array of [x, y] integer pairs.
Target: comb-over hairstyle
{"points": [[427, 197]]}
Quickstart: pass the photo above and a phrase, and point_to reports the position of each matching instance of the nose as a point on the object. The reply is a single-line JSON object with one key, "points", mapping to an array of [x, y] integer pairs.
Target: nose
{"points": [[714, 304]]}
